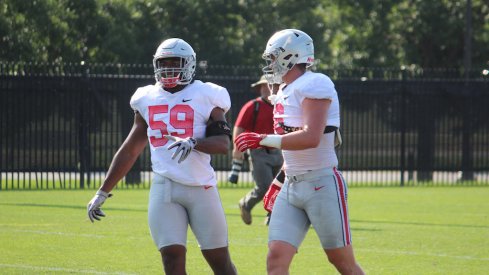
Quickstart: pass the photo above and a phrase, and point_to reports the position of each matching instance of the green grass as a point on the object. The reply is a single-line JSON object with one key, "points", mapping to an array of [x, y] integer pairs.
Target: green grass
{"points": [[414, 230]]}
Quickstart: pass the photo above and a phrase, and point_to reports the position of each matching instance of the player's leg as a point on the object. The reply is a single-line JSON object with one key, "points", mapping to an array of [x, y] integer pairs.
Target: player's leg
{"points": [[287, 229], [219, 260], [168, 225], [208, 222], [174, 258], [327, 209], [263, 174], [279, 257], [344, 260]]}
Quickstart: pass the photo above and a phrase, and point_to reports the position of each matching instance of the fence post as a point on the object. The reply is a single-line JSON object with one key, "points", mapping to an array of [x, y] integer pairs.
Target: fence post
{"points": [[2, 71], [403, 123], [467, 153], [82, 125], [467, 148]]}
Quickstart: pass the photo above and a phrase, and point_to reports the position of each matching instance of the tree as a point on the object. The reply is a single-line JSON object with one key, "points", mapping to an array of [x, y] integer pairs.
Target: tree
{"points": [[347, 33], [49, 30], [426, 34]]}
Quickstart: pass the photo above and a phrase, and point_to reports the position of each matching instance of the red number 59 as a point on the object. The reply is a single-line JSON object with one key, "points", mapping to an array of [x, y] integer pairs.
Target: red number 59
{"points": [[181, 118]]}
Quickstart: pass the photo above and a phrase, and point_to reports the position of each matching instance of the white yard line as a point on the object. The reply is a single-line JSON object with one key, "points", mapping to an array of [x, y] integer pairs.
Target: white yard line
{"points": [[61, 269]]}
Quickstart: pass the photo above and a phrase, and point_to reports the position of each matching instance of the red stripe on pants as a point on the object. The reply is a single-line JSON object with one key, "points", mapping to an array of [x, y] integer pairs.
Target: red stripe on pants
{"points": [[343, 205]]}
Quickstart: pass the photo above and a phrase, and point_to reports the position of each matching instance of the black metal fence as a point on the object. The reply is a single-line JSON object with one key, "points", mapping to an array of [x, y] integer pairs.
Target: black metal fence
{"points": [[60, 125]]}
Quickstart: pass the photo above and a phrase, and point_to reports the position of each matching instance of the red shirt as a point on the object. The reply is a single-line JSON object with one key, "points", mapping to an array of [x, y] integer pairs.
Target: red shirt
{"points": [[264, 117]]}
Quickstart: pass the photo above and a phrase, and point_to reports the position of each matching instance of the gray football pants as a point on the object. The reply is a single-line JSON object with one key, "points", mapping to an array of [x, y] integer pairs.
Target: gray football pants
{"points": [[265, 164]]}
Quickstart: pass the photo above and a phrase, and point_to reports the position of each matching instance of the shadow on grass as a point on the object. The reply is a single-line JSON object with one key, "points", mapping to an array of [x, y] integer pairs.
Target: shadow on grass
{"points": [[232, 214], [422, 224], [70, 206], [365, 229]]}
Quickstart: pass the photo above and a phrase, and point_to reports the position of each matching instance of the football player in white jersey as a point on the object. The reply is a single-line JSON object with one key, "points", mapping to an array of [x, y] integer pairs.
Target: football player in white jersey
{"points": [[183, 120], [306, 119]]}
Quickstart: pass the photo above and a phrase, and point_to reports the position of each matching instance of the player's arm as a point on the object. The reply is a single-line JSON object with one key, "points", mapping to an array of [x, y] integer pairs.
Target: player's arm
{"points": [[127, 154], [312, 131], [238, 157], [236, 153], [121, 164], [308, 137], [217, 140]]}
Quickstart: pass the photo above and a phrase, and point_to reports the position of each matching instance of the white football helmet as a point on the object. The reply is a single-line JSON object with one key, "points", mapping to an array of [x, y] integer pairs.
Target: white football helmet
{"points": [[285, 49], [171, 76]]}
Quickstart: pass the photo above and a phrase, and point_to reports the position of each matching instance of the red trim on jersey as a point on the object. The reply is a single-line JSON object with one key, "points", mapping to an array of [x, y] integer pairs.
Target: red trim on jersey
{"points": [[343, 205]]}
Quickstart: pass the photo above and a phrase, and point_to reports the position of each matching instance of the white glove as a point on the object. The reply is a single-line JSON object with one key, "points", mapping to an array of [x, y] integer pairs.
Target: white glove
{"points": [[185, 146], [93, 207]]}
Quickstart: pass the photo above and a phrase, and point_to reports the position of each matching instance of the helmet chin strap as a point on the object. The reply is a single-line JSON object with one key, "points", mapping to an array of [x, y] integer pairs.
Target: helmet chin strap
{"points": [[277, 79], [273, 78], [170, 82]]}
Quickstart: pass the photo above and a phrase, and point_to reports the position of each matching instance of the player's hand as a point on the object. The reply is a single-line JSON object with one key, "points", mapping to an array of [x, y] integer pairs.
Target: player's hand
{"points": [[235, 169], [184, 146], [93, 208], [248, 140], [271, 196]]}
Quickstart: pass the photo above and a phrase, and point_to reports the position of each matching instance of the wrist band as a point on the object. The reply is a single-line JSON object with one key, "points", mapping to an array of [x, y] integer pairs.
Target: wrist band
{"points": [[102, 193], [274, 141], [237, 164], [193, 140]]}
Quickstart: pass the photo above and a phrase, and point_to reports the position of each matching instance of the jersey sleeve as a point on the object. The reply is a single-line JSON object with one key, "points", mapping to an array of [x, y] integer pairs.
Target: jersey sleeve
{"points": [[136, 98], [320, 86], [245, 116], [220, 97]]}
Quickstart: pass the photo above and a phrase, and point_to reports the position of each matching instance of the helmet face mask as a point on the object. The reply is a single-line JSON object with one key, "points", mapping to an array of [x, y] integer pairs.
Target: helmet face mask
{"points": [[285, 49], [174, 63], [169, 71]]}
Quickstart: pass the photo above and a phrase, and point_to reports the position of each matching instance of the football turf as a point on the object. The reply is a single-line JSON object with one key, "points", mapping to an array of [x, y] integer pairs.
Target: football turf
{"points": [[415, 230]]}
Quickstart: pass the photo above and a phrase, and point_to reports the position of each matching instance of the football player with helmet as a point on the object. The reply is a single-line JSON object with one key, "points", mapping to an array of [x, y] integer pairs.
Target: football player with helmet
{"points": [[306, 117], [183, 120]]}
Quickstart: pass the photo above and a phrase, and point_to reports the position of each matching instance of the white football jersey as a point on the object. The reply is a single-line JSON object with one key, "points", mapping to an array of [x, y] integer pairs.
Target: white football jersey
{"points": [[182, 114], [288, 110]]}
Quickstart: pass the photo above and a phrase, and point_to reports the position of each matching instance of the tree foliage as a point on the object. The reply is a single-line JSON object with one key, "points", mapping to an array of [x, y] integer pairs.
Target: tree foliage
{"points": [[347, 33]]}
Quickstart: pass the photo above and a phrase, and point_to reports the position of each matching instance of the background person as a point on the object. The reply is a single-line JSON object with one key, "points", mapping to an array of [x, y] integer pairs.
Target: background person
{"points": [[256, 116], [183, 120], [306, 115]]}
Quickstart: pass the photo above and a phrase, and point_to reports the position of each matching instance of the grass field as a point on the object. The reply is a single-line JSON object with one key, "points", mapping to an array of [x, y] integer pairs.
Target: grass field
{"points": [[416, 230]]}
